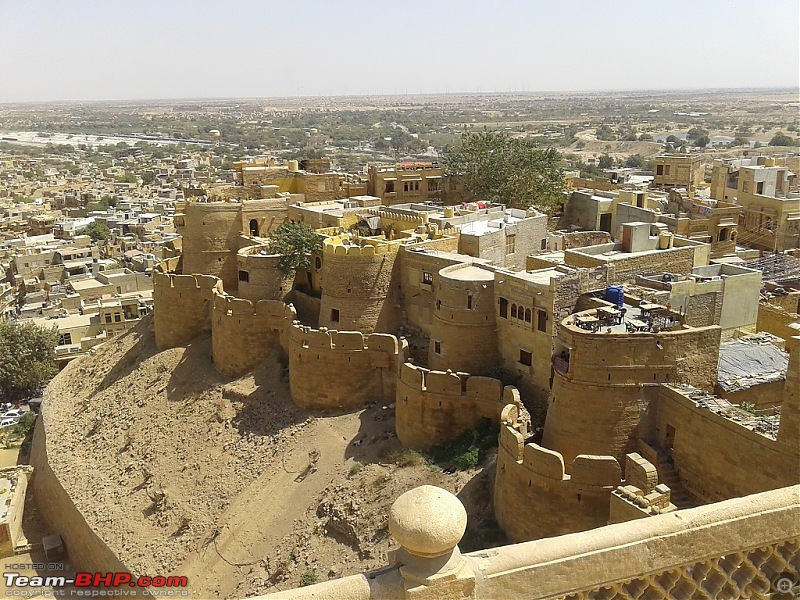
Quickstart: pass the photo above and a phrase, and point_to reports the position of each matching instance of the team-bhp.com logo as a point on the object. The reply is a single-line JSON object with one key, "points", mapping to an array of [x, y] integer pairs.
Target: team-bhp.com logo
{"points": [[96, 580]]}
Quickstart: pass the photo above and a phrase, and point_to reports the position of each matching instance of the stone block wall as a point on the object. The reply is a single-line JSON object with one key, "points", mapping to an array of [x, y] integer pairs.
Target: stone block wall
{"points": [[775, 319], [534, 497], [434, 407], [243, 333], [331, 369], [210, 232], [359, 288], [182, 307], [596, 406], [717, 458]]}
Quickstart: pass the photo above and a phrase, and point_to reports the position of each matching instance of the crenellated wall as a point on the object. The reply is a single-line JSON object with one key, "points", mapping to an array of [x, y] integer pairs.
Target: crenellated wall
{"points": [[596, 405], [463, 331], [331, 369], [434, 407], [243, 333], [185, 302], [534, 497], [358, 285]]}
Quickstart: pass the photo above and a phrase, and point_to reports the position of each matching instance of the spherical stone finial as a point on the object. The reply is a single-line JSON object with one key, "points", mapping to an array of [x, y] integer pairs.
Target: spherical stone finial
{"points": [[427, 521]]}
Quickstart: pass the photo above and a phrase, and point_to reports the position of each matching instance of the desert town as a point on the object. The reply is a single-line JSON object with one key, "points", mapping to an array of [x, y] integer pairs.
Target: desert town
{"points": [[301, 374]]}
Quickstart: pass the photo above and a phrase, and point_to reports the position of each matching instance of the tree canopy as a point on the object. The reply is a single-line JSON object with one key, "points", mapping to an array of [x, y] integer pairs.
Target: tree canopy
{"points": [[781, 139], [294, 242], [96, 231], [27, 359], [514, 171]]}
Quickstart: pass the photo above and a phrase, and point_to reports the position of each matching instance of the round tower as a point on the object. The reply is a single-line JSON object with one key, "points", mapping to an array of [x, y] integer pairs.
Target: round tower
{"points": [[463, 331], [259, 275], [357, 291], [602, 378]]}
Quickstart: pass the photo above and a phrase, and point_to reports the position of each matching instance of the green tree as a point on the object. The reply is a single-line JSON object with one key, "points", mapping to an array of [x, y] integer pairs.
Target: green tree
{"points": [[781, 139], [96, 231], [696, 133], [294, 242], [128, 177], [605, 162], [635, 161], [702, 141], [514, 171], [27, 359]]}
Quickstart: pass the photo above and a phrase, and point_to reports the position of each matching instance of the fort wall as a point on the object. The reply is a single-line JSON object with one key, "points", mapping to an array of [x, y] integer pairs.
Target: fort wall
{"points": [[776, 320], [182, 307], [358, 288], [243, 333], [86, 550], [596, 404], [434, 407], [331, 369], [717, 458], [534, 497]]}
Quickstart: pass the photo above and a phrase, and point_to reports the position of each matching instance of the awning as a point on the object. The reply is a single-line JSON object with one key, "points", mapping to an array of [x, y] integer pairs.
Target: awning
{"points": [[412, 178], [390, 178]]}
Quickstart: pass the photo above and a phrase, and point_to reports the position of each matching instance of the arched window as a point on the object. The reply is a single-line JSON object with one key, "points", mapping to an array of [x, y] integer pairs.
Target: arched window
{"points": [[723, 234], [513, 311], [527, 315], [253, 227], [733, 236]]}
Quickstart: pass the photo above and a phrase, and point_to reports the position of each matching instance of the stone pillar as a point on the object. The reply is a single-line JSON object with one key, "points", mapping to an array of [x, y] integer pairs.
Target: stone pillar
{"points": [[428, 522]]}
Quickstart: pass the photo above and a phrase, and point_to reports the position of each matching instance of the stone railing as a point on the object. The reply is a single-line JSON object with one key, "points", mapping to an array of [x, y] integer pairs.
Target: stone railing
{"points": [[742, 548]]}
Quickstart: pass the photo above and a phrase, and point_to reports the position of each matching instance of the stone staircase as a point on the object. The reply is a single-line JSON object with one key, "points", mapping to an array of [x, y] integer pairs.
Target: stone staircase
{"points": [[669, 477]]}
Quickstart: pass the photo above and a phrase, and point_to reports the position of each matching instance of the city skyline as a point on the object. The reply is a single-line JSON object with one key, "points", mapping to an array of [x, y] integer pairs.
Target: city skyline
{"points": [[108, 51]]}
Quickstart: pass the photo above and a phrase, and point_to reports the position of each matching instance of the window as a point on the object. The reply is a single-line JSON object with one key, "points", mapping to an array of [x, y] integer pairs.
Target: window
{"points": [[427, 277], [117, 318], [513, 311], [544, 243], [433, 185], [64, 339], [527, 315], [334, 315], [660, 170], [253, 227], [503, 308], [541, 320], [390, 187], [244, 276], [666, 169], [469, 302], [511, 243], [525, 357], [108, 318], [437, 347], [760, 187], [411, 186], [438, 305]]}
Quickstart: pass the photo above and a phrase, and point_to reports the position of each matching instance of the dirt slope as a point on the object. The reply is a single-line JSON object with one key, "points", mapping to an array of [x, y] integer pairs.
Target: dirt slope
{"points": [[181, 470]]}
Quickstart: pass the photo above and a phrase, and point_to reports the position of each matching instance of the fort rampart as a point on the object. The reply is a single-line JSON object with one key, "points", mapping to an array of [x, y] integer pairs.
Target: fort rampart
{"points": [[260, 278], [331, 369], [243, 333], [434, 407], [87, 551], [357, 287], [185, 302], [597, 401], [534, 497]]}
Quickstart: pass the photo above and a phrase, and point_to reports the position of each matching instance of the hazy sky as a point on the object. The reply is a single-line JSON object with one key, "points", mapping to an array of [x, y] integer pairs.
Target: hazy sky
{"points": [[139, 49]]}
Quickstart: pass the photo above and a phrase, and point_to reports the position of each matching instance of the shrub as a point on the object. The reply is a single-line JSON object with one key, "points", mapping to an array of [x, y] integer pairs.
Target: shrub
{"points": [[308, 577]]}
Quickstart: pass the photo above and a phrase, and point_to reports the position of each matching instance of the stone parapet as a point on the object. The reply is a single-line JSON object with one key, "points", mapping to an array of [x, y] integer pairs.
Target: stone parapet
{"points": [[434, 407], [331, 369]]}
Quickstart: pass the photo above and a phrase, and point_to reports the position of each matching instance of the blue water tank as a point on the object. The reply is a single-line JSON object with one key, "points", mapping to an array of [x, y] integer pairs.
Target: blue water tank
{"points": [[615, 294]]}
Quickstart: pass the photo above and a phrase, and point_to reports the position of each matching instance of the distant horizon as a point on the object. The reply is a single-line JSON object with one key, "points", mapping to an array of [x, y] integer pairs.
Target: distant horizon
{"points": [[115, 51], [586, 92]]}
